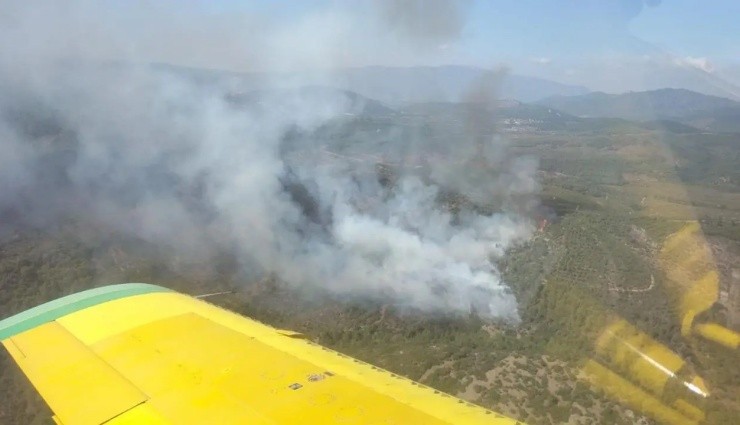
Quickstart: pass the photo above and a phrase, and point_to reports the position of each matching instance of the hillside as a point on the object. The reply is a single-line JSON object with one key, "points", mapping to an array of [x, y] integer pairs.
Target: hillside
{"points": [[699, 110], [358, 104], [610, 192], [512, 116]]}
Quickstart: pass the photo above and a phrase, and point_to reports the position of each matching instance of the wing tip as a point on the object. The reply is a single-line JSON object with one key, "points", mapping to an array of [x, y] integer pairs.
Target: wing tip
{"points": [[60, 307]]}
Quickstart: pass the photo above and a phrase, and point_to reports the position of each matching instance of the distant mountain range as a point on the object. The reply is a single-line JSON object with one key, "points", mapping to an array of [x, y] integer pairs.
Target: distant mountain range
{"points": [[376, 89], [444, 84], [394, 86], [702, 111], [675, 111]]}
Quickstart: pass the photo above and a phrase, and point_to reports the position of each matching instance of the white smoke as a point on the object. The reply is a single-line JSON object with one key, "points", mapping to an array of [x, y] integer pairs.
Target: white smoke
{"points": [[188, 165], [700, 63]]}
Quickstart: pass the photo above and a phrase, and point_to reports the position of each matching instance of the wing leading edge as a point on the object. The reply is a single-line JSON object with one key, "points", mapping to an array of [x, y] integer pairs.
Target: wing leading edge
{"points": [[138, 353]]}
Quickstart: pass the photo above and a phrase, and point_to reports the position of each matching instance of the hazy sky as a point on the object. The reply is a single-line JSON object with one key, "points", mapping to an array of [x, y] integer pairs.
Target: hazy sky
{"points": [[574, 41], [499, 29]]}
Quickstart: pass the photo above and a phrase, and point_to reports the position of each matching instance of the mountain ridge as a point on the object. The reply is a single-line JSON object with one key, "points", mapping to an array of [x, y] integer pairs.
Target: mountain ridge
{"points": [[688, 107], [393, 86]]}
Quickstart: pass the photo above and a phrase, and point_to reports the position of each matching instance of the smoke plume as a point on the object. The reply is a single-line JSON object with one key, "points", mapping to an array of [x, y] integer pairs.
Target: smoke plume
{"points": [[425, 21], [288, 179]]}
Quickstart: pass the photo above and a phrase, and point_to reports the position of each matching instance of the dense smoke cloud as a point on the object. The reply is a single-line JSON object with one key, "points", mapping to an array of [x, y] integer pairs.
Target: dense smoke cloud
{"points": [[202, 167]]}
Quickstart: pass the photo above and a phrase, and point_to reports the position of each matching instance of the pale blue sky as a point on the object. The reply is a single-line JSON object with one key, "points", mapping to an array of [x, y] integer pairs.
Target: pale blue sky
{"points": [[561, 27], [575, 41], [694, 27], [610, 45], [689, 27], [567, 40]]}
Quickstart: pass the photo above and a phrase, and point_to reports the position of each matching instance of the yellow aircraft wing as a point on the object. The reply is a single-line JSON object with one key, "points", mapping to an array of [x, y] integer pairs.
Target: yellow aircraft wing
{"points": [[142, 354]]}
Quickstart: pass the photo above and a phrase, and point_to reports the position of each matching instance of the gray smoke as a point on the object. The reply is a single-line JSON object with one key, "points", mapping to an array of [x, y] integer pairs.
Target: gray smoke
{"points": [[272, 175], [425, 21]]}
